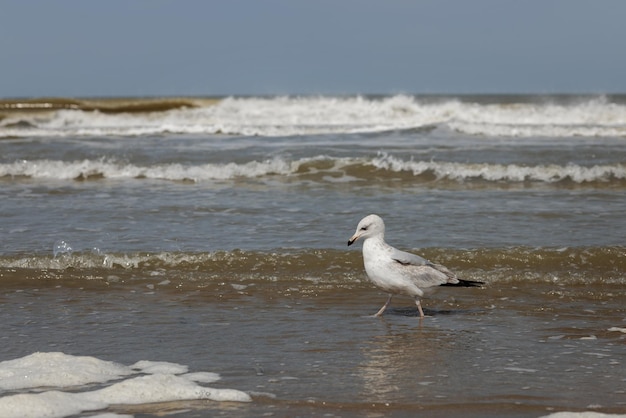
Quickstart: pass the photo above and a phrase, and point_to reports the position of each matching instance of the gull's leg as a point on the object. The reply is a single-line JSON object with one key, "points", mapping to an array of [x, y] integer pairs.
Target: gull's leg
{"points": [[380, 312], [419, 307]]}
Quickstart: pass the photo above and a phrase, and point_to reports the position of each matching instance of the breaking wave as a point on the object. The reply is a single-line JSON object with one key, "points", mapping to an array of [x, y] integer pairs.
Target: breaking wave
{"points": [[504, 172], [321, 168], [102, 168]]}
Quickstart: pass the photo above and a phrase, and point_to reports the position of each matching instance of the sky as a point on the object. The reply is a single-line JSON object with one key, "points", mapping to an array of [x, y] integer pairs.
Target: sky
{"points": [[78, 48]]}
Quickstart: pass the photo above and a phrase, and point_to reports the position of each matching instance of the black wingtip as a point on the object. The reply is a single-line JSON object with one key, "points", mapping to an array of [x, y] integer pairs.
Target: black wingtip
{"points": [[465, 283]]}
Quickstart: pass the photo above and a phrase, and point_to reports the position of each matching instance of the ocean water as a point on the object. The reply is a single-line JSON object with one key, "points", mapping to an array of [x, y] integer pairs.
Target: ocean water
{"points": [[208, 236]]}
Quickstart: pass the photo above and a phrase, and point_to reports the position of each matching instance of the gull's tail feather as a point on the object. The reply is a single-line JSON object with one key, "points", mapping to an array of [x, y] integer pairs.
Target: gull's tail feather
{"points": [[465, 283]]}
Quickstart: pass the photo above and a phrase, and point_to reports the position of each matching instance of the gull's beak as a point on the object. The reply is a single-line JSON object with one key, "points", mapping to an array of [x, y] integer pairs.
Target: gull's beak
{"points": [[353, 239]]}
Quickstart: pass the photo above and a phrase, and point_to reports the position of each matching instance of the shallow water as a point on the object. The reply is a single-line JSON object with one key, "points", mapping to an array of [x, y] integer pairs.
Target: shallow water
{"points": [[213, 234], [302, 349]]}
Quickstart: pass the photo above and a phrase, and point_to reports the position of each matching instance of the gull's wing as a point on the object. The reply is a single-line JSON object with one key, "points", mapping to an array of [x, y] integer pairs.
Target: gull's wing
{"points": [[451, 276], [425, 276], [405, 258], [440, 275]]}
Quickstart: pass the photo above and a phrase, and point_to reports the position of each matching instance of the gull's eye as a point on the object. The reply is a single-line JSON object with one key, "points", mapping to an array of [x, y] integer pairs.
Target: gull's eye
{"points": [[363, 228]]}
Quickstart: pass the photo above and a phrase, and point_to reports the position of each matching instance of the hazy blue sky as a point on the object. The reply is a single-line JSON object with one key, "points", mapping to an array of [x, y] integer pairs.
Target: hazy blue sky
{"points": [[203, 47]]}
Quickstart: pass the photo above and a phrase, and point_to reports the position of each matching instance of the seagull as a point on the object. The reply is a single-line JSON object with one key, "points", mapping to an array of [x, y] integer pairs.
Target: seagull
{"points": [[399, 272]]}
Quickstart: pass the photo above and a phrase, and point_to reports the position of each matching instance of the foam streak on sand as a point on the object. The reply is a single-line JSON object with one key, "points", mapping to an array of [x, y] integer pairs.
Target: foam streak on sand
{"points": [[144, 382]]}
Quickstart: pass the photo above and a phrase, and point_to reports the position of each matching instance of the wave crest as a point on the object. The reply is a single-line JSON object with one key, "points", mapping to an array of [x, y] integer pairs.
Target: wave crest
{"points": [[503, 173], [320, 169], [329, 266], [102, 168]]}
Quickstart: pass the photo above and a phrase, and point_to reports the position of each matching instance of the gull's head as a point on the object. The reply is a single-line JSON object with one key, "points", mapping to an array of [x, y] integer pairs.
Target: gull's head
{"points": [[370, 226]]}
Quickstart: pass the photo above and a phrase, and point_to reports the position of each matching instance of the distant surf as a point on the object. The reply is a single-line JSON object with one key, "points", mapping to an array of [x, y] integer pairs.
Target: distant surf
{"points": [[488, 116]]}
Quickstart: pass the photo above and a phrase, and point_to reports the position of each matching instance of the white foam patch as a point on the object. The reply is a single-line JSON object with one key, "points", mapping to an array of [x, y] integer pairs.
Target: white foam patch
{"points": [[153, 367], [585, 414], [142, 383], [51, 404], [110, 415], [48, 369], [617, 329], [202, 377]]}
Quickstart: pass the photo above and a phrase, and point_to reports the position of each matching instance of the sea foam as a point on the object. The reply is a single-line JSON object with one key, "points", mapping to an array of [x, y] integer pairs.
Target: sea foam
{"points": [[47, 383]]}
